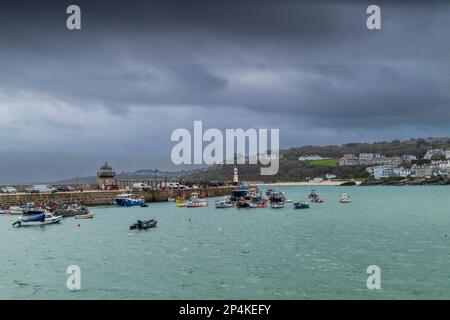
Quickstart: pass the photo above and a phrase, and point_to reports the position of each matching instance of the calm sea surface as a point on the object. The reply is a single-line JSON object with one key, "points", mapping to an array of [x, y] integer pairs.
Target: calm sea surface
{"points": [[319, 253]]}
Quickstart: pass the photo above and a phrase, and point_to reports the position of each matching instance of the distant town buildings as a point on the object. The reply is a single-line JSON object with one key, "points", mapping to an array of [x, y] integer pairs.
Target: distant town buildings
{"points": [[432, 153], [421, 171], [381, 172], [369, 159], [409, 157], [388, 167]]}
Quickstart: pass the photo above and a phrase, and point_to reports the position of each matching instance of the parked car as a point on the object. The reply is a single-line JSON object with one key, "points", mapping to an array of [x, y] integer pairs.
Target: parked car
{"points": [[141, 186], [66, 189], [41, 188], [9, 190]]}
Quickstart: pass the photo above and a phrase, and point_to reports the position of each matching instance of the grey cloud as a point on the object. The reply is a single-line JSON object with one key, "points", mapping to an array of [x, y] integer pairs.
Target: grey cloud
{"points": [[146, 67]]}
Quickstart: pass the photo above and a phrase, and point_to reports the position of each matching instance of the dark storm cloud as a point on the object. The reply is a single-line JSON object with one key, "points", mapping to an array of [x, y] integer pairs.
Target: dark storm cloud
{"points": [[310, 68]]}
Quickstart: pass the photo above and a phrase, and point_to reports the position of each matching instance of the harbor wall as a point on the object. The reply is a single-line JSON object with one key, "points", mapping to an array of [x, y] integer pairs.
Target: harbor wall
{"points": [[99, 197]]}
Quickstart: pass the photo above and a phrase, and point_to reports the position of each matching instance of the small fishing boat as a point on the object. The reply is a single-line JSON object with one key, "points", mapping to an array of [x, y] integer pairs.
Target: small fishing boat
{"points": [[345, 198], [314, 197], [225, 203], [277, 205], [37, 220], [196, 203], [144, 224], [15, 210], [240, 193], [180, 200], [28, 208], [181, 204], [129, 200], [171, 199], [301, 205], [85, 216], [289, 201], [277, 196], [71, 210]]}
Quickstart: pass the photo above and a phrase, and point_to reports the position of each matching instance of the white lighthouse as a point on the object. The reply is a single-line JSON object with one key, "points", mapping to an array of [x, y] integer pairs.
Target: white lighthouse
{"points": [[235, 176]]}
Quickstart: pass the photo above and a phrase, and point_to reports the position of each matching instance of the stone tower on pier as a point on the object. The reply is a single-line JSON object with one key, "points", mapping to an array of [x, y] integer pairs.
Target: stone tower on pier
{"points": [[106, 178]]}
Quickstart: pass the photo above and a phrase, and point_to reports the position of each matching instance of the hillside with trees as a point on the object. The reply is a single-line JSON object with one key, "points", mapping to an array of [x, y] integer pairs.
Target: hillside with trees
{"points": [[291, 169]]}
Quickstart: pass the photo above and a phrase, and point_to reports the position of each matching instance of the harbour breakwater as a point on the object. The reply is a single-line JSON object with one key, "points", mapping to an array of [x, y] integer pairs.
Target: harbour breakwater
{"points": [[100, 197]]}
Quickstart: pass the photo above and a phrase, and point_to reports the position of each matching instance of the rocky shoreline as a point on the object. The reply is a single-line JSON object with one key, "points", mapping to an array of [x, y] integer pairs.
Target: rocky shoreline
{"points": [[434, 181]]}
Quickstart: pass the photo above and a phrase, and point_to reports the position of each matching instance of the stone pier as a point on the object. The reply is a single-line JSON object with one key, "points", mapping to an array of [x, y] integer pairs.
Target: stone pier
{"points": [[99, 198]]}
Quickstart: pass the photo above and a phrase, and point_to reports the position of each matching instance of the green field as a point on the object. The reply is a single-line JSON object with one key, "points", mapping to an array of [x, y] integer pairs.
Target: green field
{"points": [[325, 163]]}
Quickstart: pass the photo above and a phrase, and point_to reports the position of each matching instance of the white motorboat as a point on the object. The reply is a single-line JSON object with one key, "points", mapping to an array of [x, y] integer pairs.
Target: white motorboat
{"points": [[37, 219], [85, 216], [226, 203], [277, 205], [195, 203], [345, 198], [28, 208], [15, 210]]}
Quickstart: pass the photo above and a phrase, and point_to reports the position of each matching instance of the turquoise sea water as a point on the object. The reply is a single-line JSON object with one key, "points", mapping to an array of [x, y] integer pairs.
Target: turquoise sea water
{"points": [[318, 253]]}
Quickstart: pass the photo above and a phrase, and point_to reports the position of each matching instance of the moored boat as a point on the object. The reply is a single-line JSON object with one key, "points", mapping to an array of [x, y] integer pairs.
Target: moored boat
{"points": [[129, 200], [345, 198], [277, 205], [301, 205], [28, 208], [71, 210], [240, 193], [196, 203], [15, 210], [225, 203], [171, 199], [314, 197], [85, 216], [144, 224], [277, 196], [37, 220]]}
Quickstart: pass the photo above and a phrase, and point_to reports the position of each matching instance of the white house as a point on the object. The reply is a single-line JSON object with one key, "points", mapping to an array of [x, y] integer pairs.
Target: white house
{"points": [[381, 172], [433, 153]]}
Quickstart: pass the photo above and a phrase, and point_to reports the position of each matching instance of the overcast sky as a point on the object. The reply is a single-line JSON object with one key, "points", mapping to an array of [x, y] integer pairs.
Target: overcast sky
{"points": [[137, 70]]}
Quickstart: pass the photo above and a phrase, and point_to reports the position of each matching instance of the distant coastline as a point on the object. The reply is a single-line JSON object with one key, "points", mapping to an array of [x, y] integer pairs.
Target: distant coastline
{"points": [[310, 183], [432, 181]]}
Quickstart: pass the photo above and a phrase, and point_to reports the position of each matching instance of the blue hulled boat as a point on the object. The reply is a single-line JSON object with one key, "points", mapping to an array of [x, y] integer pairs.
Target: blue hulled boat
{"points": [[240, 193], [301, 205], [129, 200]]}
